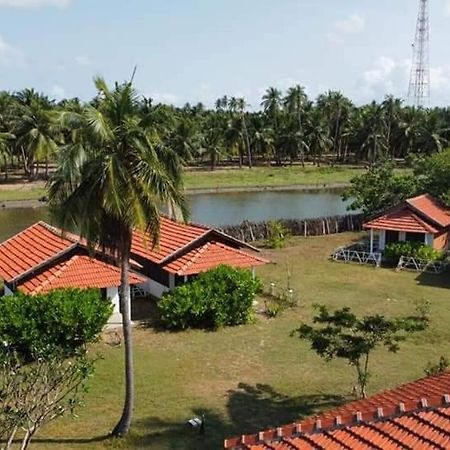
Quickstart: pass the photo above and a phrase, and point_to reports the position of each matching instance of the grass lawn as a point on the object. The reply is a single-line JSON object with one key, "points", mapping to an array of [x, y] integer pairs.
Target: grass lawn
{"points": [[252, 377], [269, 176], [31, 191]]}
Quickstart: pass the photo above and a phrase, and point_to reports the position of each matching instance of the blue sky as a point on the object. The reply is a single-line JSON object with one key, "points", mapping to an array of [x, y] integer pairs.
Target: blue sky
{"points": [[198, 50]]}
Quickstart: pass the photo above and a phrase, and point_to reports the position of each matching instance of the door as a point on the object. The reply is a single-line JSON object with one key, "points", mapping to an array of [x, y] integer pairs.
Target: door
{"points": [[391, 236]]}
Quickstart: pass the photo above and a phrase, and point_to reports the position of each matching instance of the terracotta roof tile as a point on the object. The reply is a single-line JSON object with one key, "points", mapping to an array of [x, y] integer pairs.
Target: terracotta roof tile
{"points": [[209, 256], [421, 214], [76, 272], [432, 208], [173, 236], [401, 220], [31, 247], [404, 421]]}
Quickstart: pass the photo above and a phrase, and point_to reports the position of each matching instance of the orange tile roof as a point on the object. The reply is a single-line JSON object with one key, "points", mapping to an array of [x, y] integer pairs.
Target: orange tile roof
{"points": [[422, 214], [76, 272], [209, 256], [431, 208], [38, 245], [415, 415], [173, 236], [30, 248], [401, 220]]}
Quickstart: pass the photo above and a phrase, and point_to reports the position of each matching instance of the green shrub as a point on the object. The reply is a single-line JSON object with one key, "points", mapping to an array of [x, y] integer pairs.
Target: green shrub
{"points": [[276, 304], [276, 234], [61, 321], [395, 250], [220, 297]]}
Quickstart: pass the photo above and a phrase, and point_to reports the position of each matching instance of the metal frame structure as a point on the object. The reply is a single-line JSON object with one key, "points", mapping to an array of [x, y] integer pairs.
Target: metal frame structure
{"points": [[421, 265], [419, 83], [356, 254]]}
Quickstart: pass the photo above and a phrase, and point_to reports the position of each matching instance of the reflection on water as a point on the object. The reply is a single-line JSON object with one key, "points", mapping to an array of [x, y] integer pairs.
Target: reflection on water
{"points": [[233, 208], [218, 209]]}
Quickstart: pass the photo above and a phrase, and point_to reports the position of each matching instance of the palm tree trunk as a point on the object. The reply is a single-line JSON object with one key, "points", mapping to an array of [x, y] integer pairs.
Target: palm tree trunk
{"points": [[124, 423], [247, 142], [6, 168]]}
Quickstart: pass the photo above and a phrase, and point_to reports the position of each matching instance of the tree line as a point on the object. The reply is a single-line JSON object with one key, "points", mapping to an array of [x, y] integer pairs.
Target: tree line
{"points": [[288, 128]]}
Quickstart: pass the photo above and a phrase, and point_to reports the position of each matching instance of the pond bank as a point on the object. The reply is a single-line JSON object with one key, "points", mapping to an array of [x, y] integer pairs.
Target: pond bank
{"points": [[36, 203], [265, 188]]}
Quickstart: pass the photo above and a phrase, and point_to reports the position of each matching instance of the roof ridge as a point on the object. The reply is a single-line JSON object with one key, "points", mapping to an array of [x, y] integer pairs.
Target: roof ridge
{"points": [[64, 266], [436, 203], [59, 232], [200, 250], [238, 250], [422, 222], [321, 425], [39, 222]]}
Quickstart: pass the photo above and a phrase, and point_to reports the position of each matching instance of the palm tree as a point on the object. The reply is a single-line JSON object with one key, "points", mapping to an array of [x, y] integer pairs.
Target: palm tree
{"points": [[375, 132], [294, 104], [37, 137], [319, 140], [392, 110], [111, 180], [336, 108]]}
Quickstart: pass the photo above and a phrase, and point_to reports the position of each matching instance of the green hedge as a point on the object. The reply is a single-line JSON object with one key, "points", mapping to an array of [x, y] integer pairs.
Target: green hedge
{"points": [[395, 250], [217, 298], [61, 321]]}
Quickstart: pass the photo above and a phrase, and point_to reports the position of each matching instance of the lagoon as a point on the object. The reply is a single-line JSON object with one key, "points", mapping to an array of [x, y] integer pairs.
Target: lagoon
{"points": [[216, 209]]}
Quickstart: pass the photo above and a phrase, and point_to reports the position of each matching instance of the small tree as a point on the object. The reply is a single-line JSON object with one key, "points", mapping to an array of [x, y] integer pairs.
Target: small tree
{"points": [[43, 357], [277, 234], [379, 188], [341, 334]]}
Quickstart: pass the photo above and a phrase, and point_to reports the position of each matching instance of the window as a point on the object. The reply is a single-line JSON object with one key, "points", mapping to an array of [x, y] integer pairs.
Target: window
{"points": [[415, 237]]}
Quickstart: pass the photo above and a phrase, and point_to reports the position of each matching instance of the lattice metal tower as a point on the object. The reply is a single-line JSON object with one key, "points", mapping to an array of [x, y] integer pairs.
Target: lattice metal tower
{"points": [[419, 83]]}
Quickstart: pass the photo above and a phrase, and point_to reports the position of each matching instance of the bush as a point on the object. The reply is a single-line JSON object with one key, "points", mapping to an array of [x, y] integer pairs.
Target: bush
{"points": [[276, 304], [61, 321], [220, 297], [394, 251], [276, 234]]}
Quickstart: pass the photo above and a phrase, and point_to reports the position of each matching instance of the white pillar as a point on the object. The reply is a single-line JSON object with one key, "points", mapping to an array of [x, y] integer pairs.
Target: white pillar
{"points": [[371, 240], [171, 281]]}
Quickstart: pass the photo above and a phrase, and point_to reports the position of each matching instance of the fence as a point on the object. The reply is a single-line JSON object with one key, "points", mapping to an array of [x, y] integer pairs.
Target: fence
{"points": [[421, 265], [253, 231]]}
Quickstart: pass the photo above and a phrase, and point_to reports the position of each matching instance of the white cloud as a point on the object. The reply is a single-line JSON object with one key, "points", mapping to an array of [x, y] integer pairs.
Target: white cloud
{"points": [[385, 76], [34, 3], [83, 60], [9, 55], [388, 76], [352, 25], [58, 92]]}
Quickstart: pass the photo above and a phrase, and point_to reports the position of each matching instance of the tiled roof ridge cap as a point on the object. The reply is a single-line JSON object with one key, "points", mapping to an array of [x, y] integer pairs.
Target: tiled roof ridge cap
{"points": [[188, 223], [64, 266], [185, 248], [327, 424], [14, 236], [200, 250], [437, 202], [242, 252], [59, 232], [415, 214]]}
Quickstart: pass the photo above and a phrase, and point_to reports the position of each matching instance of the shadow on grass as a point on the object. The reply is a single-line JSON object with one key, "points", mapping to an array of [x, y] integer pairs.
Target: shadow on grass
{"points": [[80, 440], [250, 408], [434, 280]]}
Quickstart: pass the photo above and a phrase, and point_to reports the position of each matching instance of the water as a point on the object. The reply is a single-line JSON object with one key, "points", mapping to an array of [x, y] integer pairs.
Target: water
{"points": [[233, 208], [218, 209]]}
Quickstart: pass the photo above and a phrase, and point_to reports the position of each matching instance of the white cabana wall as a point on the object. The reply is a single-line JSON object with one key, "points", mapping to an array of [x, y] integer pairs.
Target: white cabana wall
{"points": [[428, 238], [153, 288]]}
